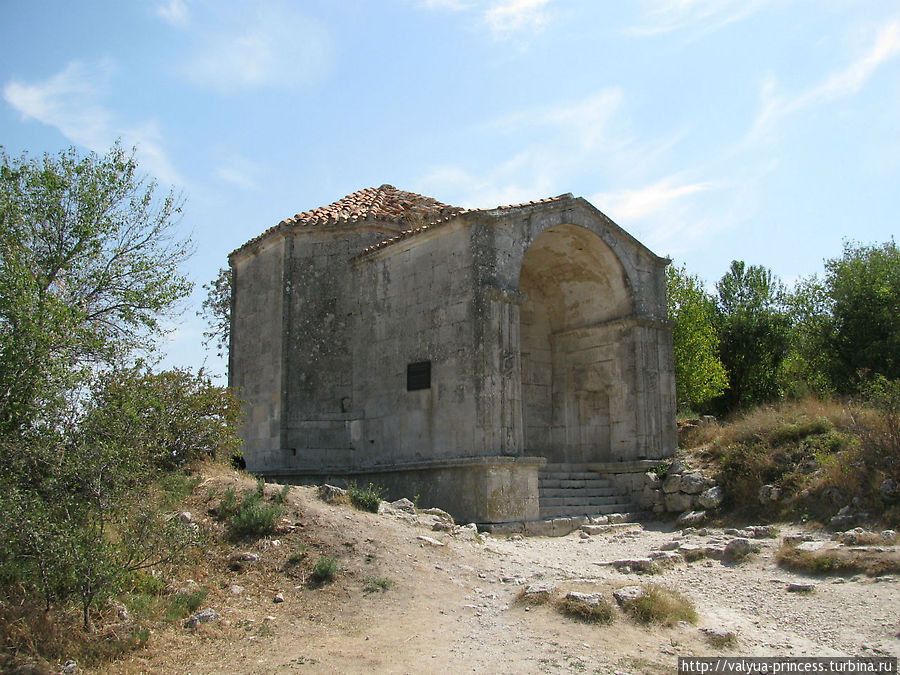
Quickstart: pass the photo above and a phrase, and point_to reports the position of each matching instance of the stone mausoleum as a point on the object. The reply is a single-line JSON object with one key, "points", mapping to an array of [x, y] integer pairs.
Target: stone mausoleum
{"points": [[505, 364]]}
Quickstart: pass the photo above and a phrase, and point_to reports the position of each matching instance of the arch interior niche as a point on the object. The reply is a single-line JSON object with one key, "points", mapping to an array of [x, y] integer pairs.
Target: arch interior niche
{"points": [[571, 396]]}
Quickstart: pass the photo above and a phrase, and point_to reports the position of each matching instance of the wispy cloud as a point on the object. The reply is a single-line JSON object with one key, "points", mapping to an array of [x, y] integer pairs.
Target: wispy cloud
{"points": [[651, 199], [514, 16], [504, 18], [71, 101], [702, 16], [240, 172], [840, 84], [259, 45], [174, 12]]}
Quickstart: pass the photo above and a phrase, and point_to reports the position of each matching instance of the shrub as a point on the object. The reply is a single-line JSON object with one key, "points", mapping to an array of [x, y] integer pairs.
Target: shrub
{"points": [[252, 517], [600, 612], [185, 603], [661, 606], [365, 499], [376, 584], [838, 561], [325, 569]]}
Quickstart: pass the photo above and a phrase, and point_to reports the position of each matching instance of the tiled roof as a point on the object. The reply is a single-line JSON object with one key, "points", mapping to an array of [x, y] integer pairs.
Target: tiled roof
{"points": [[385, 203], [405, 234], [388, 204]]}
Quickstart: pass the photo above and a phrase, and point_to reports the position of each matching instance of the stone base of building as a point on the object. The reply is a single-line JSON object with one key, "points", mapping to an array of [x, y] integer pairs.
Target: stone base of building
{"points": [[472, 489]]}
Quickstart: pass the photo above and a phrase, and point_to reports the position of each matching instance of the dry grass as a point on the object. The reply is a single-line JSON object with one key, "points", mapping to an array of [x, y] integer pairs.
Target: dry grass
{"points": [[661, 606], [838, 561], [602, 612]]}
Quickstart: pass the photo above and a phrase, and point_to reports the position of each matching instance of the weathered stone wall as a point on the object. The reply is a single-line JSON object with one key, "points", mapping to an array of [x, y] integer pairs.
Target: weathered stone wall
{"points": [[256, 350], [415, 304]]}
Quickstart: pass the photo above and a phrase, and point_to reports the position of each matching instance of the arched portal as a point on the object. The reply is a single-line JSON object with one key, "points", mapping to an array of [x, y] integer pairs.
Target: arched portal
{"points": [[572, 394]]}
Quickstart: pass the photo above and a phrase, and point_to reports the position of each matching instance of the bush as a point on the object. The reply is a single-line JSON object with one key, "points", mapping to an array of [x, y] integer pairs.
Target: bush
{"points": [[325, 569], [365, 499], [661, 606], [376, 584], [185, 603], [838, 561], [601, 612], [252, 517]]}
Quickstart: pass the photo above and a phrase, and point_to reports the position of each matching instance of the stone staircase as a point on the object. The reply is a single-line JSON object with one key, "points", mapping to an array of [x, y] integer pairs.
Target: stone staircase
{"points": [[574, 490]]}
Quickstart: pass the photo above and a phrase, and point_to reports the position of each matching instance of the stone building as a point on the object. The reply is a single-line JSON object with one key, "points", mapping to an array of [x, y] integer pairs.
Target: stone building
{"points": [[505, 364]]}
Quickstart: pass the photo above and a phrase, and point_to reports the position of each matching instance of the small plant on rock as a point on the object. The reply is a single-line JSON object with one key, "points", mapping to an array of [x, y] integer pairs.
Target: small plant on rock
{"points": [[660, 606], [325, 569], [376, 584], [597, 610], [365, 499]]}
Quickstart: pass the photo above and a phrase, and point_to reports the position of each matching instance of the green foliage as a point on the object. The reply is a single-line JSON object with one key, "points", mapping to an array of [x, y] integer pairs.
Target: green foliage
{"points": [[754, 334], [699, 373], [365, 499], [376, 584], [216, 309], [863, 287], [660, 606], [325, 569], [184, 603], [88, 266], [601, 612], [252, 516]]}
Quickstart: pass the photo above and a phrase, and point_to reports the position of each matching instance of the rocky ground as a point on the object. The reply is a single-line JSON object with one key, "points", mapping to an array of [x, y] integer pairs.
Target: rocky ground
{"points": [[452, 602]]}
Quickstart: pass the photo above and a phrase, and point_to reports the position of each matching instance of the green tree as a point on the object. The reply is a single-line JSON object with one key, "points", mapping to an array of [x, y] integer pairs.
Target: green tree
{"points": [[863, 297], [754, 333], [699, 373], [89, 264], [216, 309]]}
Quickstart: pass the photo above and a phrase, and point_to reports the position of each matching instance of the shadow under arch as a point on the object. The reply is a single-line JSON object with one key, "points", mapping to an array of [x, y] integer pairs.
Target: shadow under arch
{"points": [[575, 290]]}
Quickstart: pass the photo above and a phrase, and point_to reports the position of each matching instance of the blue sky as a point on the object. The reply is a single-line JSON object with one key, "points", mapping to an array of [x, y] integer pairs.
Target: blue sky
{"points": [[760, 130]]}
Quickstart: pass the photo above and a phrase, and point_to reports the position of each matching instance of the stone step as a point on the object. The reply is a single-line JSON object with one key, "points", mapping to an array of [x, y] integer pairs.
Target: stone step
{"points": [[579, 501], [570, 475], [565, 481], [604, 509], [588, 491]]}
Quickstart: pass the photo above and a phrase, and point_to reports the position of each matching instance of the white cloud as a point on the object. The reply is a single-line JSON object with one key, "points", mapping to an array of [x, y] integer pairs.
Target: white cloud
{"points": [[504, 18], [70, 101], [513, 16], [240, 172], [260, 45], [838, 85], [628, 205], [666, 16], [174, 12]]}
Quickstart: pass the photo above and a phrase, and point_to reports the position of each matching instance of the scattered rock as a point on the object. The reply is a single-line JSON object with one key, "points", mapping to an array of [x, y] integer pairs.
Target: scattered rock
{"points": [[846, 518], [694, 482], [738, 549], [626, 593], [589, 599], [236, 590], [677, 502], [692, 552], [429, 540], [203, 616], [670, 545], [711, 498], [403, 504], [332, 494], [889, 536], [239, 560], [442, 526], [185, 517], [538, 593], [801, 588], [70, 667], [666, 558], [278, 598], [616, 518], [763, 531], [691, 518], [889, 491], [638, 565], [769, 494], [716, 551], [677, 466], [833, 495], [672, 483], [440, 513], [467, 532]]}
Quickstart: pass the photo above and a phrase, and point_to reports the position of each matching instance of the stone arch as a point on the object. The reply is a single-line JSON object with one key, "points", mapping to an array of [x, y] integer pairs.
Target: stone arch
{"points": [[574, 287]]}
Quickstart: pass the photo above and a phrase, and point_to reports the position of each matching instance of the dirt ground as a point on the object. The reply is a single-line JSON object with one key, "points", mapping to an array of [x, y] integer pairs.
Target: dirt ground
{"points": [[452, 602]]}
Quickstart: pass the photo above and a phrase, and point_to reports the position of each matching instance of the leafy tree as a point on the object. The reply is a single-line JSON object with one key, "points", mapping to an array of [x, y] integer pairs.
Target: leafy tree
{"points": [[216, 309], [89, 264], [863, 296], [754, 333], [699, 373]]}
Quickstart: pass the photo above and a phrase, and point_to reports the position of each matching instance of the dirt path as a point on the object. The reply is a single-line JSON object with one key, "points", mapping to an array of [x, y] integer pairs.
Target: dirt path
{"points": [[452, 607]]}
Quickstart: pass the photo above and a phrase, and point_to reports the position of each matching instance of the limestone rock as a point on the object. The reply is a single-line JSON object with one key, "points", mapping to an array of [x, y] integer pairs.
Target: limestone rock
{"points": [[278, 598], [677, 502], [442, 526], [666, 558], [691, 518], [538, 593], [763, 531], [801, 588], [203, 616], [331, 493], [711, 498], [694, 482], [70, 667], [738, 549], [236, 590], [769, 494], [403, 504], [652, 480], [889, 491], [633, 565], [676, 467], [429, 540], [626, 593], [889, 536], [692, 552], [672, 483], [440, 513]]}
